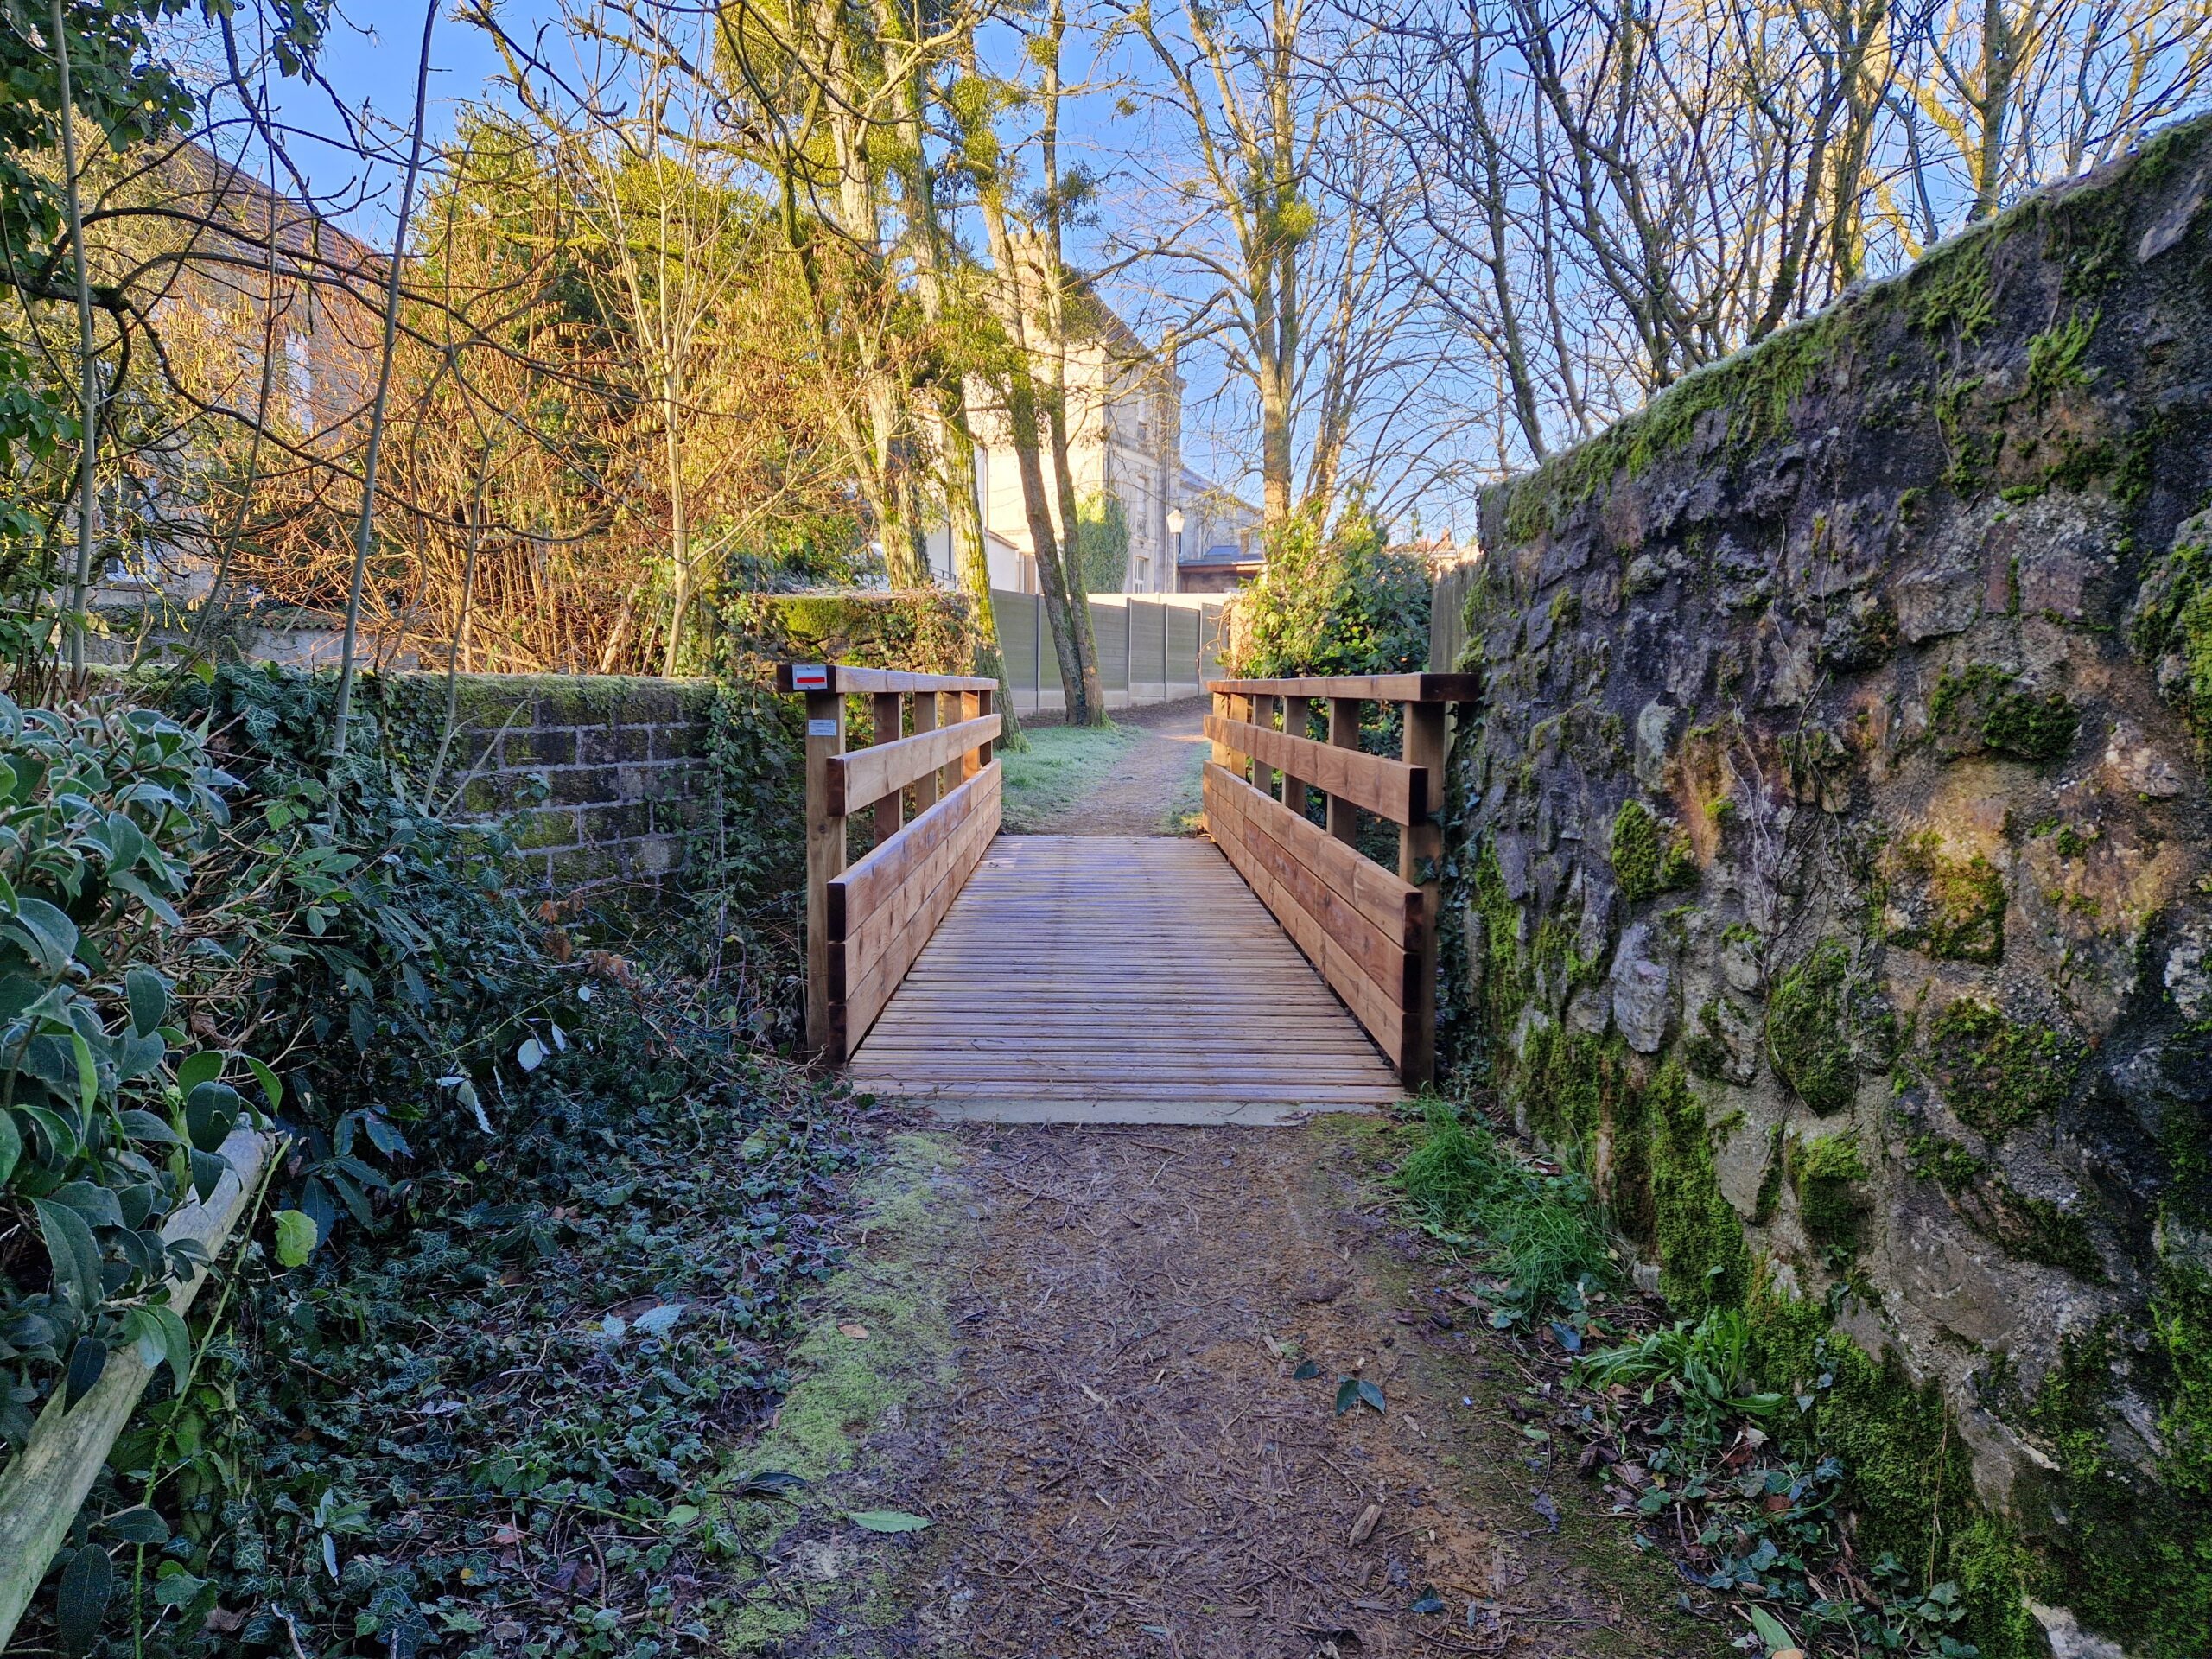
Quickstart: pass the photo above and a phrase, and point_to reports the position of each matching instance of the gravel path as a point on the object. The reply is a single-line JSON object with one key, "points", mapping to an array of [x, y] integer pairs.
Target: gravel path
{"points": [[1155, 779]]}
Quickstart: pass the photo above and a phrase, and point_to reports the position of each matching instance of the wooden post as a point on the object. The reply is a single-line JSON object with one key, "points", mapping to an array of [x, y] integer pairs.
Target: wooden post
{"points": [[1344, 732], [980, 757], [890, 727], [1263, 714], [1240, 709], [1297, 718], [971, 707], [47, 1483], [930, 788], [1221, 755], [1421, 848], [825, 861]]}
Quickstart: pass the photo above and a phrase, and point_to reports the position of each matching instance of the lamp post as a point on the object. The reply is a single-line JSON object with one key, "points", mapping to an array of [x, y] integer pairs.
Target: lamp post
{"points": [[1175, 530]]}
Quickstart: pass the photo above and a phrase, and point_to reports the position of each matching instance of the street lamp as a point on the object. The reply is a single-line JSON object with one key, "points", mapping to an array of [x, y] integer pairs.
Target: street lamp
{"points": [[1175, 530]]}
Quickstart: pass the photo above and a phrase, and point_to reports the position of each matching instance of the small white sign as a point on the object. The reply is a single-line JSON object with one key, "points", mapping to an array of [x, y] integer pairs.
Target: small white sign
{"points": [[822, 729], [806, 676]]}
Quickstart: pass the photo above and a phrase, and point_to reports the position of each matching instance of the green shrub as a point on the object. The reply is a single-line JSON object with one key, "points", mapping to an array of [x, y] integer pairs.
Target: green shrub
{"points": [[110, 1118], [925, 631], [1338, 602]]}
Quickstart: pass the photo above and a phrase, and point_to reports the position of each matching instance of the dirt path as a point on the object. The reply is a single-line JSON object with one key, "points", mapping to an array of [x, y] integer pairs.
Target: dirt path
{"points": [[1152, 781], [1080, 1358]]}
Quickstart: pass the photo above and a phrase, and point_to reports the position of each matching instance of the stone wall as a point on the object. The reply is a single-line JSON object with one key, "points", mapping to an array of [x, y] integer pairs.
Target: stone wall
{"points": [[600, 778], [1833, 861]]}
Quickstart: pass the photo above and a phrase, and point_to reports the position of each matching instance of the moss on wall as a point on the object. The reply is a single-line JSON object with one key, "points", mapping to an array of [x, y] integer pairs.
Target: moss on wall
{"points": [[1997, 1073], [1648, 858], [1825, 1172], [1809, 1030], [1982, 706]]}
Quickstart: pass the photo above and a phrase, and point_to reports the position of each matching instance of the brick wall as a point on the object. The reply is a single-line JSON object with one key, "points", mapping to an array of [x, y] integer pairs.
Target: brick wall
{"points": [[599, 778]]}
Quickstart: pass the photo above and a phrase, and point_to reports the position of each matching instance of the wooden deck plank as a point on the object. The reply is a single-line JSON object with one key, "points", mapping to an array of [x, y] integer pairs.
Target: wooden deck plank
{"points": [[1117, 971]]}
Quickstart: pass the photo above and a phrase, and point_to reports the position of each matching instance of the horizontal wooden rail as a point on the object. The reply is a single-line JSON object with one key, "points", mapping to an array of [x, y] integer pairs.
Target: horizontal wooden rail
{"points": [[1389, 789], [1373, 938], [847, 681], [1359, 926], [1368, 687], [865, 924], [866, 776]]}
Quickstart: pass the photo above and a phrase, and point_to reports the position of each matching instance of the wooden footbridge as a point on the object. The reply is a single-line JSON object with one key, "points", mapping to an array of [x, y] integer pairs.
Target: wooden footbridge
{"points": [[1268, 969]]}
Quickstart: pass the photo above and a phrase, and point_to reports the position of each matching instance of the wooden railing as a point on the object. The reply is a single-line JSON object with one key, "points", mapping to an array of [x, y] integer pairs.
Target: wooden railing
{"points": [[1372, 935], [934, 735]]}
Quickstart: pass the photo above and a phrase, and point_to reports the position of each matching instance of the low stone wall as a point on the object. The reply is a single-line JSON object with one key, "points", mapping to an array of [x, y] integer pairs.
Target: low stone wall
{"points": [[601, 778]]}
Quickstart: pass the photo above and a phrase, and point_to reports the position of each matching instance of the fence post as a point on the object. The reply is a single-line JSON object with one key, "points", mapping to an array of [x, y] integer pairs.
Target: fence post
{"points": [[1037, 671], [825, 859], [1421, 848], [980, 756]]}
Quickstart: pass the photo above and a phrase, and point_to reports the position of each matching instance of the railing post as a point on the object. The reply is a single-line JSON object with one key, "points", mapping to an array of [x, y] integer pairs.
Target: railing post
{"points": [[890, 727], [931, 786], [1263, 714], [985, 750], [1297, 720], [1421, 848], [1221, 753], [1344, 732], [825, 859], [1240, 710], [971, 708]]}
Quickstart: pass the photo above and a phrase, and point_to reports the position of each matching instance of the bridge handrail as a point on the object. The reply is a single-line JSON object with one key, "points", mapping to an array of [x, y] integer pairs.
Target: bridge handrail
{"points": [[1369, 688], [1371, 937], [866, 924]]}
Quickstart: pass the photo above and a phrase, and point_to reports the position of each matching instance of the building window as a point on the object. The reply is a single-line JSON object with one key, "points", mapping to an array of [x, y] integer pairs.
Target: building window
{"points": [[1144, 577]]}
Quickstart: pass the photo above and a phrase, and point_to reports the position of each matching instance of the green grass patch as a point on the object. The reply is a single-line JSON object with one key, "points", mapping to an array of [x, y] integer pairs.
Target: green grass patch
{"points": [[1061, 765], [1542, 1234]]}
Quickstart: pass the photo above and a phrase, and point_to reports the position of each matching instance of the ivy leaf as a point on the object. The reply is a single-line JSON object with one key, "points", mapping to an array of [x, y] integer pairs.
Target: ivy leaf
{"points": [[149, 996], [193, 1070], [271, 1090], [888, 1521], [48, 936], [208, 1169], [1358, 1391], [144, 1125], [75, 1254], [296, 1237], [136, 1525], [82, 1601], [176, 1342], [1306, 1371], [11, 1145], [211, 1112], [87, 1360]]}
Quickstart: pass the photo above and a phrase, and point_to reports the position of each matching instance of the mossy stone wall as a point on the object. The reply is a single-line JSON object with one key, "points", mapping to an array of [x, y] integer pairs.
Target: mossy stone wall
{"points": [[1832, 873], [601, 778]]}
